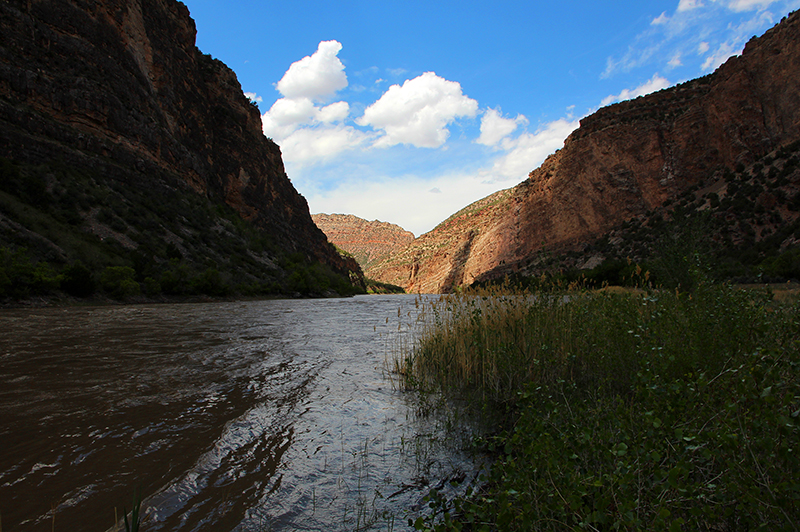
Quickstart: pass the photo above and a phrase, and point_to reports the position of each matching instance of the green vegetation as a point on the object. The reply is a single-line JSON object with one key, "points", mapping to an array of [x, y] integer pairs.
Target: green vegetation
{"points": [[135, 522], [645, 410], [64, 231]]}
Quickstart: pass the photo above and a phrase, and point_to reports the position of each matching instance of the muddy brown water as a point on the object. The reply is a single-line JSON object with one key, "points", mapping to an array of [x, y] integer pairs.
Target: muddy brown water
{"points": [[246, 416]]}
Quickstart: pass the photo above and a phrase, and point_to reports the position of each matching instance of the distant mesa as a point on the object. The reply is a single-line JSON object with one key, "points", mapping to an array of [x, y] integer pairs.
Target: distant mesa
{"points": [[368, 242]]}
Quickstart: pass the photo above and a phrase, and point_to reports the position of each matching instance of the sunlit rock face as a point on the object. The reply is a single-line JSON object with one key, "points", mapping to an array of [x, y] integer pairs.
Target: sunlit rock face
{"points": [[367, 241], [118, 87], [624, 160]]}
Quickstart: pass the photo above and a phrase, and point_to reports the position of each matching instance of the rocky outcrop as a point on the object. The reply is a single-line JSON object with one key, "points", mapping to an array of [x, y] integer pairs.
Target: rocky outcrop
{"points": [[367, 241], [119, 89], [623, 161]]}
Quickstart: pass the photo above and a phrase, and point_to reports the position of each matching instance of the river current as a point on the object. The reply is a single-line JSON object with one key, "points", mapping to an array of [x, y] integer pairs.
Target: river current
{"points": [[240, 416]]}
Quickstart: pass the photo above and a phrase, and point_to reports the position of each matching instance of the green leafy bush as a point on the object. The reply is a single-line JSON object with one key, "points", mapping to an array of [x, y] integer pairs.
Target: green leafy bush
{"points": [[119, 282], [210, 282], [20, 277]]}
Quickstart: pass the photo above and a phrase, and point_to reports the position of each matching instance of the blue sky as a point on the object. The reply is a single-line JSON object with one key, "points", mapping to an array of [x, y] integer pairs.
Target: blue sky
{"points": [[408, 111]]}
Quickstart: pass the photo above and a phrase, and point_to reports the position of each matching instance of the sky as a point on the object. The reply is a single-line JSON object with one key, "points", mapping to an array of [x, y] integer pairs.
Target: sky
{"points": [[406, 112]]}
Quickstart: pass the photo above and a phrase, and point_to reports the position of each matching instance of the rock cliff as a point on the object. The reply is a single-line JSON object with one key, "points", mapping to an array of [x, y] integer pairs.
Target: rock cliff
{"points": [[624, 161], [367, 241], [118, 90]]}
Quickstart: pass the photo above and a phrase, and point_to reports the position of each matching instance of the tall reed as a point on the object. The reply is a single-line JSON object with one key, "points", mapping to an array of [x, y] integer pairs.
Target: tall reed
{"points": [[491, 342], [643, 410]]}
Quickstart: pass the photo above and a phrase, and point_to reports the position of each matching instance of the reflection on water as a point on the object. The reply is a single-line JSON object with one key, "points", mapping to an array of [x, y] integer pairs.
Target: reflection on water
{"points": [[263, 415]]}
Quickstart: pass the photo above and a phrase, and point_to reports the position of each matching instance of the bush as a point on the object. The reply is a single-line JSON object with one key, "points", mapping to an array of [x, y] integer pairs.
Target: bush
{"points": [[20, 277], [119, 283], [78, 280], [175, 279], [151, 287], [210, 282]]}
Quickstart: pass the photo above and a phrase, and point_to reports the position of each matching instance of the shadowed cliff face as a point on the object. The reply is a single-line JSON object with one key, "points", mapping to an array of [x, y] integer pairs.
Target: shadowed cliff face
{"points": [[624, 160], [119, 88]]}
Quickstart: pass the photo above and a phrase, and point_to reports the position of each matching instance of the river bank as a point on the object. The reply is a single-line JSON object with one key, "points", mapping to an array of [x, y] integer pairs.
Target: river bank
{"points": [[639, 410]]}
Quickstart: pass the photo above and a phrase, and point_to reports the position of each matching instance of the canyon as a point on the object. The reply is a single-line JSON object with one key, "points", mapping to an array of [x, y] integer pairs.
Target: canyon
{"points": [[117, 93], [368, 242], [623, 163]]}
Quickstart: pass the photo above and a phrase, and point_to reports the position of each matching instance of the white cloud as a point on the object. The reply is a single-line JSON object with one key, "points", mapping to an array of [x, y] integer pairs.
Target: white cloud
{"points": [[661, 19], [529, 150], [675, 62], [311, 145], [749, 5], [334, 112], [694, 28], [307, 132], [495, 128], [317, 76], [418, 112], [688, 5], [655, 83], [253, 97], [722, 54]]}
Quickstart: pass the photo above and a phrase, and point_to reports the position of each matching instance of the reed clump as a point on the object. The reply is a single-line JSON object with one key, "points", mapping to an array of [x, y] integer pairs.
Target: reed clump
{"points": [[640, 410]]}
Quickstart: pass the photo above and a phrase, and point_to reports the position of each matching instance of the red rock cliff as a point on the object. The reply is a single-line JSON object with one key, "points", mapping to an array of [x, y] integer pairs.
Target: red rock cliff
{"points": [[367, 241], [119, 87], [624, 160]]}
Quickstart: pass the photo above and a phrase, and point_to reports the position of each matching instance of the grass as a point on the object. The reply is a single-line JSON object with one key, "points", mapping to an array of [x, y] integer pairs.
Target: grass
{"points": [[636, 410]]}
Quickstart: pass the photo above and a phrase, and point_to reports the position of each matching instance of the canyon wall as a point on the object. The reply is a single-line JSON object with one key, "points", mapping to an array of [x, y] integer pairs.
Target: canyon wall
{"points": [[367, 241], [624, 160], [119, 89]]}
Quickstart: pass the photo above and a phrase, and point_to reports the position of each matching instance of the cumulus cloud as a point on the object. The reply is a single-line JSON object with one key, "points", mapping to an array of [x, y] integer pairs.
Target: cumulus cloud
{"points": [[418, 112], [529, 150], [307, 130], [333, 112], [317, 76], [495, 128], [319, 144], [253, 97], [655, 83]]}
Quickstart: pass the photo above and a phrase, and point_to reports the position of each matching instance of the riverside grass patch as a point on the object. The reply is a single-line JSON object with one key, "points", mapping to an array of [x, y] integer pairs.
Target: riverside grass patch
{"points": [[648, 410]]}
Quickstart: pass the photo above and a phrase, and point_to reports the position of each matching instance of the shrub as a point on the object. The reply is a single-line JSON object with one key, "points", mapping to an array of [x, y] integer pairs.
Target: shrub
{"points": [[20, 277], [210, 282], [175, 279], [119, 283], [151, 287], [78, 280]]}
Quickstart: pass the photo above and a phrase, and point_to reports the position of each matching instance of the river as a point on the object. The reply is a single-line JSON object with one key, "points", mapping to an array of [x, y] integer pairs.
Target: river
{"points": [[245, 416]]}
